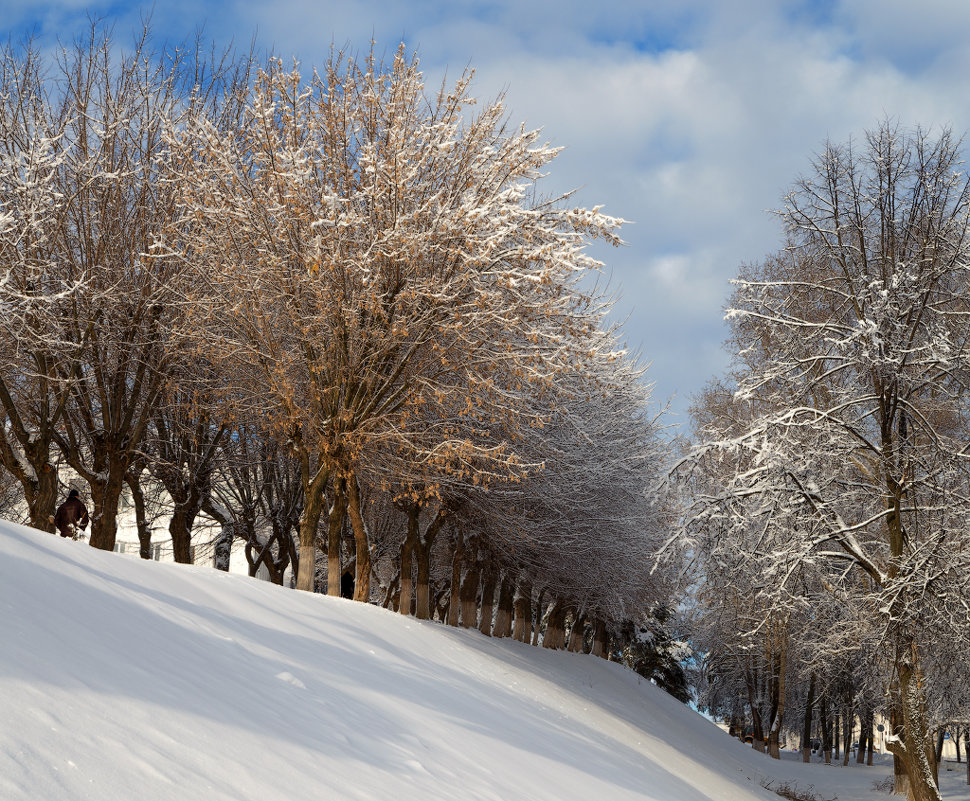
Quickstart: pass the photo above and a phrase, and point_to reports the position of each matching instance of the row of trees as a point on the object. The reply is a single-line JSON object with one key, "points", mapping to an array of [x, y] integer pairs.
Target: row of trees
{"points": [[829, 490], [331, 312]]}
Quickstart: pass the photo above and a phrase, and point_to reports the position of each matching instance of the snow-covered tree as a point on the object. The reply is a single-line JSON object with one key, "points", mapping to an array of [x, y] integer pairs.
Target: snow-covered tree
{"points": [[125, 319], [852, 366], [585, 526], [365, 246], [34, 291]]}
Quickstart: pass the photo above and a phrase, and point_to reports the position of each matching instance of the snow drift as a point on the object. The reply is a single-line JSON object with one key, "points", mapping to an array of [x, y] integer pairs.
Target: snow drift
{"points": [[123, 679]]}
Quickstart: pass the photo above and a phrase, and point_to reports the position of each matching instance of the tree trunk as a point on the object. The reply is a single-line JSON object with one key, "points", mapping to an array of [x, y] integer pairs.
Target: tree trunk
{"points": [[422, 554], [503, 616], [105, 496], [335, 526], [405, 602], [141, 520], [864, 736], [309, 522], [555, 635], [757, 730], [900, 777], [422, 595], [757, 727], [778, 687], [469, 597], [43, 500], [224, 548], [836, 739], [600, 637], [180, 530], [392, 594], [847, 737], [871, 738], [522, 604], [188, 495], [439, 604], [576, 634], [807, 724], [537, 617], [488, 600], [966, 736], [31, 467], [361, 540], [823, 715], [915, 748], [454, 602], [262, 558], [407, 563]]}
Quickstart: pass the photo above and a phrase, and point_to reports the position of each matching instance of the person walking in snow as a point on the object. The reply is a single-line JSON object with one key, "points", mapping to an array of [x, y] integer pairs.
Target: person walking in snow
{"points": [[71, 516]]}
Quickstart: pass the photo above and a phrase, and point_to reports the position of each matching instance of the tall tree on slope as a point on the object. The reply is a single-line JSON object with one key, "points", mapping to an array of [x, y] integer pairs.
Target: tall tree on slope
{"points": [[363, 244]]}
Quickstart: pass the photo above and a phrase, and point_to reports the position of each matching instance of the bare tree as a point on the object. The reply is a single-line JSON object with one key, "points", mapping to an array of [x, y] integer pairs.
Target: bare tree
{"points": [[124, 318], [35, 150], [187, 432], [256, 496], [584, 525], [366, 245], [853, 362]]}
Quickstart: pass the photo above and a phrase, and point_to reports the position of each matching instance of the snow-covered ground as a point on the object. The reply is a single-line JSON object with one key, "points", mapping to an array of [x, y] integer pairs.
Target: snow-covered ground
{"points": [[122, 679]]}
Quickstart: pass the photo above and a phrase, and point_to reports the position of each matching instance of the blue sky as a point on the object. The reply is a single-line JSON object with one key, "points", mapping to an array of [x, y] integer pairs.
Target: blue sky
{"points": [[688, 117]]}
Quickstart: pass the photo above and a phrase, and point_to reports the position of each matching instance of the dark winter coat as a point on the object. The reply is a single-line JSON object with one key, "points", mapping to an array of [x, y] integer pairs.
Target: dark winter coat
{"points": [[69, 514]]}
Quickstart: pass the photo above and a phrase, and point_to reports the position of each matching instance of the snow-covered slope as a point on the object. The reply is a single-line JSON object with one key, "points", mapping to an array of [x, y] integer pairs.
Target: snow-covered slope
{"points": [[122, 679]]}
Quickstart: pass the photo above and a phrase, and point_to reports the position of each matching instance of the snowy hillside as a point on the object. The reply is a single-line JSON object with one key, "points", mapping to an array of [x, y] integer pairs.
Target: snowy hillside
{"points": [[121, 679]]}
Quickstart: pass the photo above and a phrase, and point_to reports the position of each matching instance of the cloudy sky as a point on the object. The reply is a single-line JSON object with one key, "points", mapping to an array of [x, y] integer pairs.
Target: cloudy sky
{"points": [[690, 118]]}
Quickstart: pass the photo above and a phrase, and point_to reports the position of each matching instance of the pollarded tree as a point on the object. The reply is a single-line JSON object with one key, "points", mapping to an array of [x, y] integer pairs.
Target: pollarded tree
{"points": [[119, 321], [126, 318], [852, 353], [364, 246], [34, 292]]}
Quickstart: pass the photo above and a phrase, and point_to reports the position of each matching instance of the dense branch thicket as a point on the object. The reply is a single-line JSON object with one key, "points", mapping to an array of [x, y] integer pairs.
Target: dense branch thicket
{"points": [[331, 314]]}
